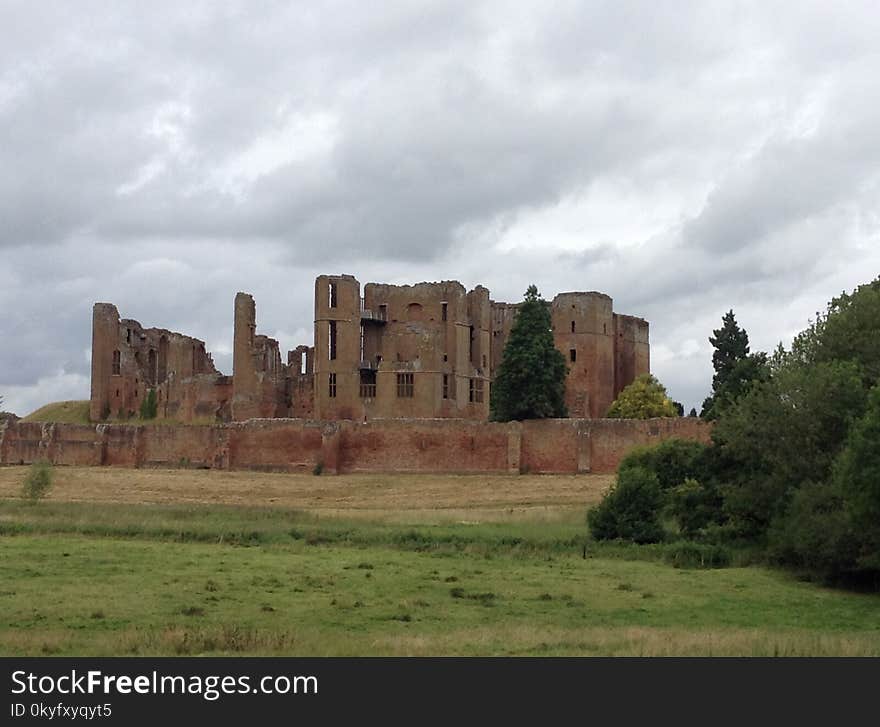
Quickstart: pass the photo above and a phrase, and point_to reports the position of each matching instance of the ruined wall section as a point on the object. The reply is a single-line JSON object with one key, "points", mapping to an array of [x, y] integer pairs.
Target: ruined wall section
{"points": [[301, 382], [632, 351], [562, 446], [128, 360], [425, 350], [259, 378], [480, 358], [412, 351]]}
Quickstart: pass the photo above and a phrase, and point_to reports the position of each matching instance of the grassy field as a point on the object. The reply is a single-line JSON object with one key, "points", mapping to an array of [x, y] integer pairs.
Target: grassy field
{"points": [[61, 412], [173, 562], [77, 412]]}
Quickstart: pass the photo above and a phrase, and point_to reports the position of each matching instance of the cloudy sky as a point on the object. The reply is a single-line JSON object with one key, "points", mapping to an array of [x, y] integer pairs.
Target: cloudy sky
{"points": [[683, 158]]}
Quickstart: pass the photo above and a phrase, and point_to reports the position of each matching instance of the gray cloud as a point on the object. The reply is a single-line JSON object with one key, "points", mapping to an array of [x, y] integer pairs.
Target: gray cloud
{"points": [[164, 158]]}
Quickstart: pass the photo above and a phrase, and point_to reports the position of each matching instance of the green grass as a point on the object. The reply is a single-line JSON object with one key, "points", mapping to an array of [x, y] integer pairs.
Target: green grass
{"points": [[61, 412], [77, 412], [114, 579]]}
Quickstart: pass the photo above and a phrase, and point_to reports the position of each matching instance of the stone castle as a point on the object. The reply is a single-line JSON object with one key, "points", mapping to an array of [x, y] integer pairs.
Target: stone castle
{"points": [[429, 350]]}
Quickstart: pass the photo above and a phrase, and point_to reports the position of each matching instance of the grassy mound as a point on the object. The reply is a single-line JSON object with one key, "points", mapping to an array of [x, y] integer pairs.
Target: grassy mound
{"points": [[63, 412]]}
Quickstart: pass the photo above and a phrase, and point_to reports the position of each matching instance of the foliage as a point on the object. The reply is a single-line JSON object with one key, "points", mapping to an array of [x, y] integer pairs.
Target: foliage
{"points": [[694, 506], [683, 470], [672, 461], [783, 433], [815, 535], [692, 412], [731, 345], [37, 482], [735, 368], [630, 510], [149, 405], [642, 399], [797, 454], [849, 330], [857, 472], [833, 529], [531, 378]]}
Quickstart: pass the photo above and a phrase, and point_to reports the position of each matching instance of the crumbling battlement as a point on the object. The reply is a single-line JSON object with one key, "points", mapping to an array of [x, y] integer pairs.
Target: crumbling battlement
{"points": [[264, 386], [429, 350], [128, 360]]}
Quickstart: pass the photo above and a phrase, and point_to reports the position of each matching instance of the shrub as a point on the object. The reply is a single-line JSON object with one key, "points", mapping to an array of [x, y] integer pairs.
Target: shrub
{"points": [[37, 482], [693, 506], [630, 510], [149, 406], [816, 535], [672, 461], [318, 469]]}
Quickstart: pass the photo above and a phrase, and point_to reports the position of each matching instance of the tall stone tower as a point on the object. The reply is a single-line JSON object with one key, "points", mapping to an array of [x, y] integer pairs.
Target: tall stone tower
{"points": [[244, 372], [105, 358], [337, 346]]}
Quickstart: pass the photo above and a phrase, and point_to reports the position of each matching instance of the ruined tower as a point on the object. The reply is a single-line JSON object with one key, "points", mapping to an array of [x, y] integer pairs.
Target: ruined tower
{"points": [[105, 360]]}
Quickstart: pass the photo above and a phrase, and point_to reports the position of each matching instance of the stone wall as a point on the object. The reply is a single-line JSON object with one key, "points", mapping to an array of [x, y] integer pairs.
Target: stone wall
{"points": [[563, 446]]}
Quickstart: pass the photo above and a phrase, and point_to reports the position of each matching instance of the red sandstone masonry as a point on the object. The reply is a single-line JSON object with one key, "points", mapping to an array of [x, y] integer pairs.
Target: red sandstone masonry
{"points": [[561, 446]]}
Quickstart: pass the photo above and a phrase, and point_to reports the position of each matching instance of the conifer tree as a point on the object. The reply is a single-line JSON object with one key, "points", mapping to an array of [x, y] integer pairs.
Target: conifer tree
{"points": [[531, 378], [735, 368]]}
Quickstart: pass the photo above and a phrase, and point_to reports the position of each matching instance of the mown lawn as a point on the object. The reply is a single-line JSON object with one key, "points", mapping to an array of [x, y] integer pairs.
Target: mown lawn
{"points": [[92, 578]]}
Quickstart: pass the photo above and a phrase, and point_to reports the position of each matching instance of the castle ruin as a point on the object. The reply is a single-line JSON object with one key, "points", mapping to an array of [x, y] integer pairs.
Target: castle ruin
{"points": [[429, 350]]}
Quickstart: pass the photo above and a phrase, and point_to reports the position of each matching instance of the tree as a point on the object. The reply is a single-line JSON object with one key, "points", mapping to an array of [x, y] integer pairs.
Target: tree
{"points": [[849, 330], [149, 405], [37, 482], [783, 433], [642, 399], [857, 475], [832, 528], [692, 412], [531, 378], [735, 368], [630, 510]]}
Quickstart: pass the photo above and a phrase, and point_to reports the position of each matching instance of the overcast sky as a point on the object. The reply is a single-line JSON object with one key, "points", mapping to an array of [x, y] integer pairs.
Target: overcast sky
{"points": [[685, 159]]}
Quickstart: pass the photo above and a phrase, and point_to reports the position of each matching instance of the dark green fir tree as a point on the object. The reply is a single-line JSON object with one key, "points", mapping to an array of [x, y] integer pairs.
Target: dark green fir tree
{"points": [[531, 378]]}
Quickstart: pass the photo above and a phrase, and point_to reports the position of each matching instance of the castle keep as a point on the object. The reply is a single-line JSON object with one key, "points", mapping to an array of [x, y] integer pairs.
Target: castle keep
{"points": [[429, 350]]}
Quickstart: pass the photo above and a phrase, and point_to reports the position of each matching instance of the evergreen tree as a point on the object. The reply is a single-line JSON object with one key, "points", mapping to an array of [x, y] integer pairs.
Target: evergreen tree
{"points": [[692, 412], [531, 378], [735, 369]]}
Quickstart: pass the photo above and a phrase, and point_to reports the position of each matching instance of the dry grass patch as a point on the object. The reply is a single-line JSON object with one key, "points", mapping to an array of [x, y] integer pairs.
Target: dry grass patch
{"points": [[61, 412], [452, 497]]}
